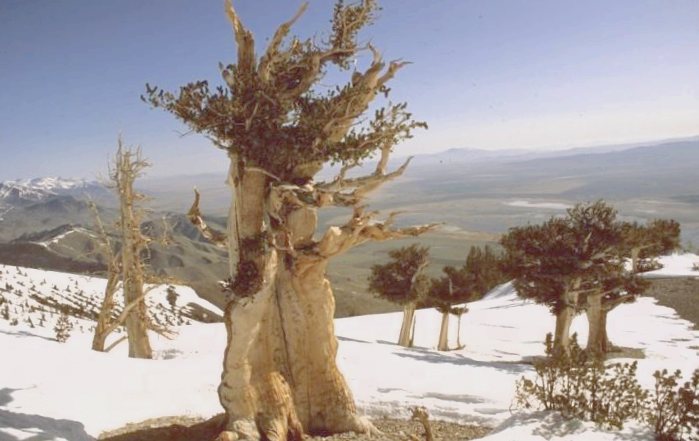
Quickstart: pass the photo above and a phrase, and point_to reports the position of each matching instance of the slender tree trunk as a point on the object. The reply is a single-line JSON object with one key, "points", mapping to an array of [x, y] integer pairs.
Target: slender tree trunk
{"points": [[443, 344], [280, 377], [634, 260], [105, 314], [405, 338], [607, 345], [458, 331], [597, 334]]}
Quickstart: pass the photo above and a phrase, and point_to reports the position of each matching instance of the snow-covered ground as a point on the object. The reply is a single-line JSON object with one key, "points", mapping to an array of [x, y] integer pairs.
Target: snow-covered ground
{"points": [[686, 264], [34, 297], [53, 391]]}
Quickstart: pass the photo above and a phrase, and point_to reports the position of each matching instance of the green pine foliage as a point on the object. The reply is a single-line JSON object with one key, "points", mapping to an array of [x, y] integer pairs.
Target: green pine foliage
{"points": [[270, 112], [395, 280], [579, 251], [481, 272], [63, 328]]}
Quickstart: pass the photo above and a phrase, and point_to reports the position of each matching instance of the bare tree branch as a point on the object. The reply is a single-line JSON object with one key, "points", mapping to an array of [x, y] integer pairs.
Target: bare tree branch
{"points": [[195, 217]]}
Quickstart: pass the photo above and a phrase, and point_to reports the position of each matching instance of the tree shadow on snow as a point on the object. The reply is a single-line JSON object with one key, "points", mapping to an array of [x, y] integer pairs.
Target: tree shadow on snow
{"points": [[25, 334], [460, 360], [39, 428], [42, 428], [352, 339]]}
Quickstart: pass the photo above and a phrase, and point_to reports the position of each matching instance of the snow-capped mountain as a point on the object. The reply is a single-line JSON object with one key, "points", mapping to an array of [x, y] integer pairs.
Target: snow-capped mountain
{"points": [[22, 191]]}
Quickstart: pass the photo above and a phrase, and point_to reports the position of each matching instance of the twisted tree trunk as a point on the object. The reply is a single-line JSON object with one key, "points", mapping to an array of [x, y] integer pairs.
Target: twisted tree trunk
{"points": [[280, 377]]}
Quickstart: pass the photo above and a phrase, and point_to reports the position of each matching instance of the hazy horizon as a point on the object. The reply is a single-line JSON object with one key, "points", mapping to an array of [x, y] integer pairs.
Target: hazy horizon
{"points": [[490, 75]]}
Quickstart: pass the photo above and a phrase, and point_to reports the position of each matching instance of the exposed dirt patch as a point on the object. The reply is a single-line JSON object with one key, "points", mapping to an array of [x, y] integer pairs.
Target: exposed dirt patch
{"points": [[190, 429], [681, 294]]}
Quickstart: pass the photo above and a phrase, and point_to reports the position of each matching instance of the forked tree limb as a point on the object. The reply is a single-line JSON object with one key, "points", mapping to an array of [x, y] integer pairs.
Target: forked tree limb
{"points": [[127, 310], [194, 215], [361, 229]]}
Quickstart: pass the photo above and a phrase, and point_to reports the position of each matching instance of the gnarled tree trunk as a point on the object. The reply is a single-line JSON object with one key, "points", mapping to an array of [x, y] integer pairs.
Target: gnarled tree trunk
{"points": [[406, 329], [280, 376]]}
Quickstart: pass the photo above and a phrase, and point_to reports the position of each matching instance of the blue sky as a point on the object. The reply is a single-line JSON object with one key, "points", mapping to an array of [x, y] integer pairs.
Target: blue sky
{"points": [[485, 74]]}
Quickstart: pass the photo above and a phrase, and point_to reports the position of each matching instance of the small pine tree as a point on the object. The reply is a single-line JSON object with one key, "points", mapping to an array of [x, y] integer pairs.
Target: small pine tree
{"points": [[480, 273], [401, 281], [172, 296], [63, 328]]}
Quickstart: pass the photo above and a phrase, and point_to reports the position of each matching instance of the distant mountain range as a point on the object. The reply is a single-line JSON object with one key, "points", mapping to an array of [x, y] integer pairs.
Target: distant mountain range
{"points": [[47, 222], [39, 189]]}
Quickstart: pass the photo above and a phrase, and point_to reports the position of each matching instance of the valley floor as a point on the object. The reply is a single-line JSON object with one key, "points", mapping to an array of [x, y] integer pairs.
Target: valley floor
{"points": [[53, 391]]}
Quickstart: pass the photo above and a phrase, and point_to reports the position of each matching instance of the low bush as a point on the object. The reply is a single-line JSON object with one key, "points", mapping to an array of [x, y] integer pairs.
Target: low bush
{"points": [[582, 387], [673, 410]]}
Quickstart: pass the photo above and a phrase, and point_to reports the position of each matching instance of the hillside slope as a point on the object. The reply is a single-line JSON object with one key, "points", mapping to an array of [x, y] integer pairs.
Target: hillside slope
{"points": [[473, 384]]}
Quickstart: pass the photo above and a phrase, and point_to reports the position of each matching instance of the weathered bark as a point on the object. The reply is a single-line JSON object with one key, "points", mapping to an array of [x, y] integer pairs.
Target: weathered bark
{"points": [[102, 330], [125, 171], [103, 326], [406, 329], [443, 344], [596, 333], [280, 378]]}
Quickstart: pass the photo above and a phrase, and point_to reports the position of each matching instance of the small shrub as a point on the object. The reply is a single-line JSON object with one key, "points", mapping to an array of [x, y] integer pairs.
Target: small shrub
{"points": [[582, 387], [63, 328], [672, 411]]}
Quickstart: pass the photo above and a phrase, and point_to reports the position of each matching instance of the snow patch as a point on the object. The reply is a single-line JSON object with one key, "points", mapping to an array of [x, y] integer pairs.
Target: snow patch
{"points": [[542, 205]]}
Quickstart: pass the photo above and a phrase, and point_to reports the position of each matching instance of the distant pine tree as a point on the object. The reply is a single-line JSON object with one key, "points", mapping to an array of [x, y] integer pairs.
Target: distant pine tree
{"points": [[63, 328], [402, 281], [481, 272]]}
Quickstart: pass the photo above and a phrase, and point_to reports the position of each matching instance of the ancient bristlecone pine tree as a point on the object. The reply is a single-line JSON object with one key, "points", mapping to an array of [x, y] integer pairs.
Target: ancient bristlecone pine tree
{"points": [[402, 280], [280, 377]]}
